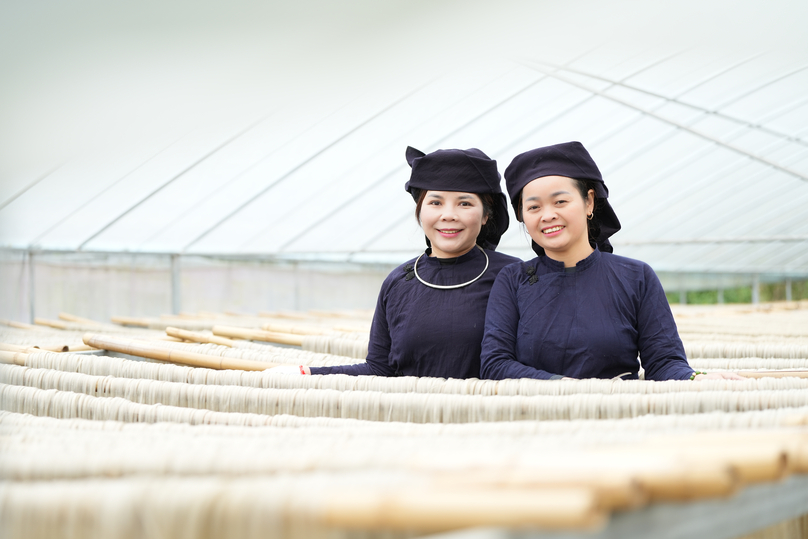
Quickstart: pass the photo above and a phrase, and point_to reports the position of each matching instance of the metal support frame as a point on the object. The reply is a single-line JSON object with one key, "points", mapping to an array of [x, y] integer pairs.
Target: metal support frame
{"points": [[756, 289], [31, 287], [788, 289], [176, 284]]}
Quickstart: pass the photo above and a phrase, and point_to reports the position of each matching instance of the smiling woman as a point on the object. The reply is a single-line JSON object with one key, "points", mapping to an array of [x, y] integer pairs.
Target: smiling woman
{"points": [[577, 310], [431, 310]]}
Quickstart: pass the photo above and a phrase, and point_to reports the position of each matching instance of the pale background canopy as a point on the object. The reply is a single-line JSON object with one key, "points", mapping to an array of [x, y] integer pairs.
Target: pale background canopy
{"points": [[250, 155]]}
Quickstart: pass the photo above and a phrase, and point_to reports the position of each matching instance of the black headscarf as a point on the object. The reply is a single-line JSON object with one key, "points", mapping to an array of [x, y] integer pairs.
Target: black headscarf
{"points": [[571, 160], [468, 171]]}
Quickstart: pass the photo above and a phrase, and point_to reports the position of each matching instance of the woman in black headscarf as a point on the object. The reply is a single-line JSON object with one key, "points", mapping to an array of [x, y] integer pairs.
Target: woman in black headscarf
{"points": [[431, 310], [576, 311]]}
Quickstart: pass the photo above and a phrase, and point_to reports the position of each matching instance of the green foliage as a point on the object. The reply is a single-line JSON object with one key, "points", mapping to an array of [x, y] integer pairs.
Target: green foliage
{"points": [[743, 294], [702, 297], [799, 290]]}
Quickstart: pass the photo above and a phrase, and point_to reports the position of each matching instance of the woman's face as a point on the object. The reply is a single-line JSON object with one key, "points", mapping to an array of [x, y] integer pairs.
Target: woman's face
{"points": [[555, 216], [451, 221]]}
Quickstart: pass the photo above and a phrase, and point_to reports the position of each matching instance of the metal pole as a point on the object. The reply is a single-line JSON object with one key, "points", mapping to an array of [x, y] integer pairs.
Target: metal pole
{"points": [[721, 295], [682, 291], [756, 289], [31, 287], [297, 285], [788, 289], [176, 285]]}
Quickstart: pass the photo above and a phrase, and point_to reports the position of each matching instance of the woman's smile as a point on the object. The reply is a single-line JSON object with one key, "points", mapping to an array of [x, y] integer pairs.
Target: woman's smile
{"points": [[552, 230]]}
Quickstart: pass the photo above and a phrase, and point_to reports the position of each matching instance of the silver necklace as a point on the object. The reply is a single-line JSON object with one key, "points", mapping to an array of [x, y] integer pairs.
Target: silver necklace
{"points": [[451, 286]]}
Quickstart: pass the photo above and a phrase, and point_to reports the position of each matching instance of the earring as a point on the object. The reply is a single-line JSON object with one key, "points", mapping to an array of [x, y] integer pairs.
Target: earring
{"points": [[590, 216]]}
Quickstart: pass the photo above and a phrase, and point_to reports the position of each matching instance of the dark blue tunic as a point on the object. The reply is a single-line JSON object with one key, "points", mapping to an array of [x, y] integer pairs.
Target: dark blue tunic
{"points": [[590, 321], [422, 331]]}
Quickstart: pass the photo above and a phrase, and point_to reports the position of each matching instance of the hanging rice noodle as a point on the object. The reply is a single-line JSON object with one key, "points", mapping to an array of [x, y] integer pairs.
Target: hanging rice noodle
{"points": [[407, 407], [123, 368]]}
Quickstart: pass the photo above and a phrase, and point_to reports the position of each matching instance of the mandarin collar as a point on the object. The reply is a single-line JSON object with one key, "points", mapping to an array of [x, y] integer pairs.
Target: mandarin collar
{"points": [[474, 254], [582, 265]]}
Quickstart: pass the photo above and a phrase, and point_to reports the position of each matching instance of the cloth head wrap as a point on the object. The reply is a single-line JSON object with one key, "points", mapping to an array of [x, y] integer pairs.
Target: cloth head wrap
{"points": [[468, 171], [569, 159]]}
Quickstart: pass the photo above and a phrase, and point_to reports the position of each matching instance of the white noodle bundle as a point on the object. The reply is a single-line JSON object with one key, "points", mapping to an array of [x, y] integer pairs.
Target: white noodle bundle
{"points": [[264, 352], [745, 350], [232, 424], [749, 363], [124, 368], [68, 405], [710, 338], [351, 345], [784, 324], [50, 337], [407, 407], [44, 453], [37, 454], [180, 508]]}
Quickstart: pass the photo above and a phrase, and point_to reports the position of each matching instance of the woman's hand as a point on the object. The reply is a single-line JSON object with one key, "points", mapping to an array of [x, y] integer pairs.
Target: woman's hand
{"points": [[290, 369], [719, 376]]}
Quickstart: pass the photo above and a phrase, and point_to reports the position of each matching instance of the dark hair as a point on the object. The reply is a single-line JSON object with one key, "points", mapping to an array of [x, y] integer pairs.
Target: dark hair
{"points": [[489, 229], [583, 186]]}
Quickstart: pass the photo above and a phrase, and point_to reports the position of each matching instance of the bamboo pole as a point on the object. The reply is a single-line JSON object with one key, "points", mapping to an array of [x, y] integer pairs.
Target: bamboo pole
{"points": [[7, 347], [338, 314], [79, 347], [199, 337], [67, 317], [130, 321], [757, 456], [615, 490], [774, 374], [432, 509], [689, 481], [755, 463], [18, 325], [283, 314], [55, 324], [257, 335], [13, 358], [147, 349], [238, 314], [295, 330], [352, 329]]}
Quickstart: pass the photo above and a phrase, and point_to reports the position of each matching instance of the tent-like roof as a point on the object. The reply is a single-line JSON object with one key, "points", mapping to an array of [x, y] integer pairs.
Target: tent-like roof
{"points": [[239, 128]]}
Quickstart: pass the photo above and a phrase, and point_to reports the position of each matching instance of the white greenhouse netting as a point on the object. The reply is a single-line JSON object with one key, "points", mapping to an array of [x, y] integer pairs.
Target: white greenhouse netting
{"points": [[277, 132]]}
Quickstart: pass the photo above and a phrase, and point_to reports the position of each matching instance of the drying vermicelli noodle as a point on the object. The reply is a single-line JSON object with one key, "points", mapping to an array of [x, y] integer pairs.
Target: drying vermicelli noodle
{"points": [[124, 368], [747, 363], [744, 350], [408, 407], [355, 346], [100, 446]]}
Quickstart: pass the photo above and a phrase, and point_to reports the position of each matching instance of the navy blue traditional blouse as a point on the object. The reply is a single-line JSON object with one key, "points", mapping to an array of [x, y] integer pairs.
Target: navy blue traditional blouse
{"points": [[588, 321], [422, 331]]}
